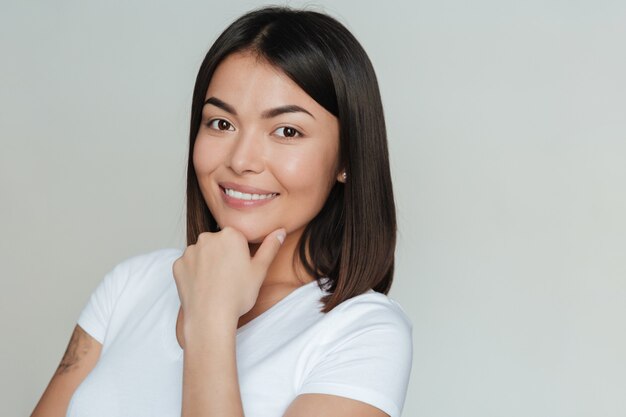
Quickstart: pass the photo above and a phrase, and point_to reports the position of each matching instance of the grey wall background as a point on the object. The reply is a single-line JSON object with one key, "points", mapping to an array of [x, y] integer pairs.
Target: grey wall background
{"points": [[508, 137]]}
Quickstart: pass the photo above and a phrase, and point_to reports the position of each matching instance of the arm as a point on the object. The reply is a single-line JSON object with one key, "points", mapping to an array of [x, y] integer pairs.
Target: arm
{"points": [[210, 382], [315, 405], [211, 387], [217, 282], [79, 359]]}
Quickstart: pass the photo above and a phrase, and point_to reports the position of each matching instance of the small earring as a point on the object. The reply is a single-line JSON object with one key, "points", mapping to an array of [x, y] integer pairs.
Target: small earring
{"points": [[344, 176]]}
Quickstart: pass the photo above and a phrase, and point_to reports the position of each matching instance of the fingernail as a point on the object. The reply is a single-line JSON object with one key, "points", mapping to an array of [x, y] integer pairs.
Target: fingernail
{"points": [[281, 236]]}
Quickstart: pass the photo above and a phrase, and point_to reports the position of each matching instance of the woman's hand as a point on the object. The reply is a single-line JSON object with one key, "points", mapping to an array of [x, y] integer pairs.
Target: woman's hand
{"points": [[217, 279]]}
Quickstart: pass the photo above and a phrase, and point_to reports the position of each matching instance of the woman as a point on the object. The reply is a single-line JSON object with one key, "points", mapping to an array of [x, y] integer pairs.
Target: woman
{"points": [[277, 307]]}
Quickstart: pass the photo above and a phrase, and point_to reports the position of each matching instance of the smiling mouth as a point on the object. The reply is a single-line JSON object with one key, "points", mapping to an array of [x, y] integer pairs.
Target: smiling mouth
{"points": [[247, 196]]}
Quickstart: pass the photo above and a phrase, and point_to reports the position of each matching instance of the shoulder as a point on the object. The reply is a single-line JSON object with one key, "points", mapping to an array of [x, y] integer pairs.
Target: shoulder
{"points": [[143, 264], [370, 310], [371, 321], [363, 351], [148, 260], [139, 271], [134, 278]]}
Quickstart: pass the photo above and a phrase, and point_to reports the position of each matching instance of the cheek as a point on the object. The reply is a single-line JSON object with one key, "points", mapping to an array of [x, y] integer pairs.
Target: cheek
{"points": [[295, 166], [205, 158], [312, 173]]}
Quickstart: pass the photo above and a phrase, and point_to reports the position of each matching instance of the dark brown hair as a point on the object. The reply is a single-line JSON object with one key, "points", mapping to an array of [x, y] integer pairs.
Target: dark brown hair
{"points": [[349, 246]]}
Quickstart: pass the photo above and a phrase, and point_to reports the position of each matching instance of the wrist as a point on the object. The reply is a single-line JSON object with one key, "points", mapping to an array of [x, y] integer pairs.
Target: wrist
{"points": [[208, 328]]}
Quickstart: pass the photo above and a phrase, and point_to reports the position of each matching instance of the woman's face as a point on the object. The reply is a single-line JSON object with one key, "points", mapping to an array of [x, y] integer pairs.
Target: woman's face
{"points": [[266, 154]]}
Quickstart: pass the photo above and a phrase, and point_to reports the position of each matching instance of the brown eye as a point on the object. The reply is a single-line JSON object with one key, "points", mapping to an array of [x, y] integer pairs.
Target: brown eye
{"points": [[220, 124], [287, 132]]}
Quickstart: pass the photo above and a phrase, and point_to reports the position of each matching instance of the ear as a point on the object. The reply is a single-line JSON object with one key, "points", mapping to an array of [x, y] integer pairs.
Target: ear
{"points": [[342, 176]]}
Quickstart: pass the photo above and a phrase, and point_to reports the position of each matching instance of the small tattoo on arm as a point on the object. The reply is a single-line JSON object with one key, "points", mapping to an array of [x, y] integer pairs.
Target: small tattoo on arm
{"points": [[79, 345]]}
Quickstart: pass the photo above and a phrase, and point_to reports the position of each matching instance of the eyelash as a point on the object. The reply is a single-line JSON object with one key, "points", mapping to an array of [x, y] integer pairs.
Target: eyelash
{"points": [[210, 123], [298, 134]]}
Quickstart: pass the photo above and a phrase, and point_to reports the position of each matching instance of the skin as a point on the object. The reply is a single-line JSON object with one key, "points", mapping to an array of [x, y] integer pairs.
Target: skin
{"points": [[230, 277], [80, 357], [251, 150], [220, 278]]}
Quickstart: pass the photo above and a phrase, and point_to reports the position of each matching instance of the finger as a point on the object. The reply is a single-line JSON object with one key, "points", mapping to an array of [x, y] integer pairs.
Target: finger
{"points": [[269, 248]]}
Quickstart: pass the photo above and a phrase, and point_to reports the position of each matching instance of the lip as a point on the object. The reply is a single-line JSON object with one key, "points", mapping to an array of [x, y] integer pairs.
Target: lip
{"points": [[242, 204]]}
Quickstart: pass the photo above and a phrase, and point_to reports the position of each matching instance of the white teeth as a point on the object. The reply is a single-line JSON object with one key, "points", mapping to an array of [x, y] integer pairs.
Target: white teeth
{"points": [[245, 196]]}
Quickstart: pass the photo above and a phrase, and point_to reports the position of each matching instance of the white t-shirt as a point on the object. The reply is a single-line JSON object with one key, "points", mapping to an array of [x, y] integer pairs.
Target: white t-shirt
{"points": [[362, 349]]}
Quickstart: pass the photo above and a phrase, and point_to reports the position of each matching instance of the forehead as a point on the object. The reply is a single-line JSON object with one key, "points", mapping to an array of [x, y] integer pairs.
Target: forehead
{"points": [[245, 79]]}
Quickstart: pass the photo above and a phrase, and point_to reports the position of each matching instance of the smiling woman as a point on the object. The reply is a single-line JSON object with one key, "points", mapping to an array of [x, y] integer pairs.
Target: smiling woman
{"points": [[271, 140], [278, 305]]}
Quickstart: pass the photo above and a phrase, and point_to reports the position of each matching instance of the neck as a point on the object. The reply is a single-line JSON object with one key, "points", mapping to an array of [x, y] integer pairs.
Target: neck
{"points": [[284, 275], [286, 269]]}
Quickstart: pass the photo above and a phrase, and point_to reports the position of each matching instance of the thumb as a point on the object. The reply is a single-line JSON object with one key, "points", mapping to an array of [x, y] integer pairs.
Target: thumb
{"points": [[266, 253]]}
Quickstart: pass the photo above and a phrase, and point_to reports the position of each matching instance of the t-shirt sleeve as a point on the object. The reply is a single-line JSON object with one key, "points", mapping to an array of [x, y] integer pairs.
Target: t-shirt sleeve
{"points": [[367, 355], [96, 315]]}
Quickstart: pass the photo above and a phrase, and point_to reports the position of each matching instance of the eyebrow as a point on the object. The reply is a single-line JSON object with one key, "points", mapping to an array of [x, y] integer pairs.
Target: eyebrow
{"points": [[289, 108], [219, 103], [267, 114]]}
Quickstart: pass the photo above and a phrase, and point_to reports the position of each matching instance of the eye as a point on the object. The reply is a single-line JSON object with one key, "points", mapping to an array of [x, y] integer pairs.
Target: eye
{"points": [[220, 124], [287, 132]]}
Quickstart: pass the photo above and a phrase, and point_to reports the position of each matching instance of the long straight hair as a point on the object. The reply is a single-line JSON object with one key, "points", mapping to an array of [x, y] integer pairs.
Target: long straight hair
{"points": [[349, 246]]}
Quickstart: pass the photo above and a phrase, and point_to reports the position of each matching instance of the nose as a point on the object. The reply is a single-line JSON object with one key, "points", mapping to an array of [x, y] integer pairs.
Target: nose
{"points": [[246, 155]]}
